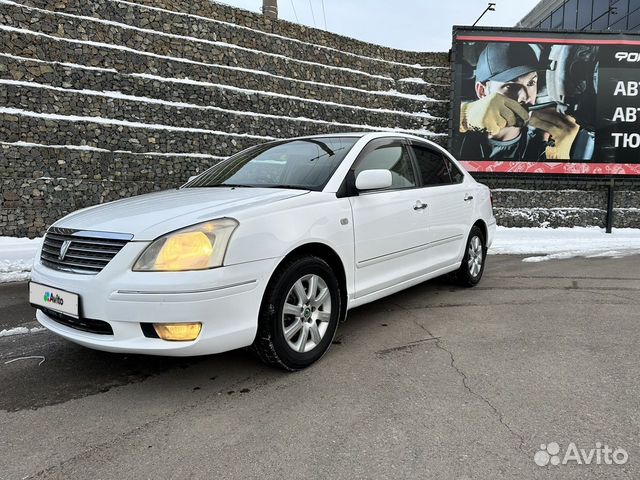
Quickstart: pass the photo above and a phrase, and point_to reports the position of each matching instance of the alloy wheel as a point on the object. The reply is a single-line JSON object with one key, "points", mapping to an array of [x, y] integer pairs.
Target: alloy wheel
{"points": [[476, 256], [306, 313]]}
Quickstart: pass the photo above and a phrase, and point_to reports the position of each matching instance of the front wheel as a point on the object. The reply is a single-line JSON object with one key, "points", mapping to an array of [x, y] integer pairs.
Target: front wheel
{"points": [[299, 314], [472, 267]]}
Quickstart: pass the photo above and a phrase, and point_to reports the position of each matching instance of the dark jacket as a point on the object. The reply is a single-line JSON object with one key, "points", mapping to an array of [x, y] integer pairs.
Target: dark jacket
{"points": [[529, 146]]}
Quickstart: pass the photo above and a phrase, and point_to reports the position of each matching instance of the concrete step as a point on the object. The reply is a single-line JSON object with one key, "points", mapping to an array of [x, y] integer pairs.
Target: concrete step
{"points": [[165, 21]]}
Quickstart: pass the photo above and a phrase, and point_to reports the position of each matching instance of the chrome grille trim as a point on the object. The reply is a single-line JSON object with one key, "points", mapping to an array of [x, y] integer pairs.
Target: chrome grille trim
{"points": [[88, 253]]}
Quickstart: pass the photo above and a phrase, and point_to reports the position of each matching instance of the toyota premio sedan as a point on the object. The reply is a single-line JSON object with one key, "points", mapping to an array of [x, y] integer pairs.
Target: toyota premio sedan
{"points": [[269, 248]]}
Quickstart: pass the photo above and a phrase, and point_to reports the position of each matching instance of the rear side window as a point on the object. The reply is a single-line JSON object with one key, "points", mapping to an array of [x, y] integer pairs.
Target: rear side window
{"points": [[393, 157], [432, 166], [456, 175]]}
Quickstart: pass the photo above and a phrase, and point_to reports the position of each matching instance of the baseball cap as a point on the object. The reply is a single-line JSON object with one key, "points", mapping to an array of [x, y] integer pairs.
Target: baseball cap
{"points": [[503, 62]]}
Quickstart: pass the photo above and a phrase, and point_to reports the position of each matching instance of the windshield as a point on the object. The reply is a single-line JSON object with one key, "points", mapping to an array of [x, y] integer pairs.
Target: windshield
{"points": [[302, 164]]}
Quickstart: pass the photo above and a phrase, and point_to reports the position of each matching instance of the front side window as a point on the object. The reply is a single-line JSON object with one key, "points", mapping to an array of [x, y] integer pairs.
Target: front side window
{"points": [[306, 164], [393, 157]]}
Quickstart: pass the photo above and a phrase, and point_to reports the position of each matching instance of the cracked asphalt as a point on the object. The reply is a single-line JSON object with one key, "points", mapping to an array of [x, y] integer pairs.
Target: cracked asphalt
{"points": [[433, 382]]}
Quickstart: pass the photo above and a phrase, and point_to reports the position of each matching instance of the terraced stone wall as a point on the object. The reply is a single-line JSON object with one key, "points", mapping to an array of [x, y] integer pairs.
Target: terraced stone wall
{"points": [[562, 202], [106, 99]]}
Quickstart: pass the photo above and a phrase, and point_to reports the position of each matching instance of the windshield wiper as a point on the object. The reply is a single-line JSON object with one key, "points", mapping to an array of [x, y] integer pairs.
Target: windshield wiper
{"points": [[290, 187], [232, 185]]}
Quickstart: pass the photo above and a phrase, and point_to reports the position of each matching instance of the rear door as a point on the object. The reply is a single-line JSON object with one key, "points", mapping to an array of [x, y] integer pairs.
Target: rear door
{"points": [[450, 208], [389, 225]]}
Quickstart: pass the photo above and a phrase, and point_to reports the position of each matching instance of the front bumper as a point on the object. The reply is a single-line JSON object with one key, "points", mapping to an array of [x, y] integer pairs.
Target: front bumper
{"points": [[226, 300]]}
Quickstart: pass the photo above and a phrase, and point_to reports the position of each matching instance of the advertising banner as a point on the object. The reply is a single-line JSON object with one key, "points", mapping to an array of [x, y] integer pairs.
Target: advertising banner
{"points": [[541, 102]]}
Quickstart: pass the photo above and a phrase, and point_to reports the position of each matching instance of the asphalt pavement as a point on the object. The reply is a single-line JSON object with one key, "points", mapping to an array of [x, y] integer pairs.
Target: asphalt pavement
{"points": [[433, 382]]}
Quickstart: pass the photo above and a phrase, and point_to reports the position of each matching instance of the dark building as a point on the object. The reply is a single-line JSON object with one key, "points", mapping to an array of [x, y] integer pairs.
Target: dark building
{"points": [[599, 15]]}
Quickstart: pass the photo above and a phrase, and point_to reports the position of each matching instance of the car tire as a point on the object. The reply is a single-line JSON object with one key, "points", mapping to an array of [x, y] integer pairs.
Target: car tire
{"points": [[299, 314], [473, 262]]}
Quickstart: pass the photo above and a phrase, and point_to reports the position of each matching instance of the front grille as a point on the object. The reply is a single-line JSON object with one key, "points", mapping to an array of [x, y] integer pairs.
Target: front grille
{"points": [[87, 251], [83, 324]]}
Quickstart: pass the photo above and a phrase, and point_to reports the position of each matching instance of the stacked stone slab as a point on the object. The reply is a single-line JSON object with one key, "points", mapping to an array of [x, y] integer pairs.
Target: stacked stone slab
{"points": [[561, 202], [106, 99]]}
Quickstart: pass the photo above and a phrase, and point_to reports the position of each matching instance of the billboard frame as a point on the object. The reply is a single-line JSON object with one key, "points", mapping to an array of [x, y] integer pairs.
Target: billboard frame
{"points": [[454, 113]]}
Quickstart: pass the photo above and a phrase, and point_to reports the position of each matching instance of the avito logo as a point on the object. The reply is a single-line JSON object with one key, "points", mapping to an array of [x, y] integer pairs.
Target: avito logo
{"points": [[603, 454], [51, 298]]}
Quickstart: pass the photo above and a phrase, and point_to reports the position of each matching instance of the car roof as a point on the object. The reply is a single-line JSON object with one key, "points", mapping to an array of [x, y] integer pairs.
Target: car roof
{"points": [[370, 135]]}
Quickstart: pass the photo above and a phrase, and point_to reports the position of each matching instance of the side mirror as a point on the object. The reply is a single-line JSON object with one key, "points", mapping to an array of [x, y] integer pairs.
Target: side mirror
{"points": [[373, 179]]}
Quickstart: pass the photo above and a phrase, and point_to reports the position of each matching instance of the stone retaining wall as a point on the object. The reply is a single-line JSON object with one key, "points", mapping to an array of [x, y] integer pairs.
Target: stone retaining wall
{"points": [[564, 208], [106, 99]]}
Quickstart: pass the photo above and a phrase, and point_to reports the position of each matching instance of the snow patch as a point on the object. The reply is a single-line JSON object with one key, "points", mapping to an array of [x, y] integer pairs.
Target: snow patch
{"points": [[413, 80], [16, 258], [561, 243]]}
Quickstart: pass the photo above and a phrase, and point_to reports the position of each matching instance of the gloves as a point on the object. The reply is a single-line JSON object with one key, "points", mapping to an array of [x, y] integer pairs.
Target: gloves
{"points": [[491, 114], [563, 130]]}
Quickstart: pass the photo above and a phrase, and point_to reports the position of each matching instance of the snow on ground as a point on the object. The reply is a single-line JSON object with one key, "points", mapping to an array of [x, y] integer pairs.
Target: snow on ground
{"points": [[559, 243], [20, 331], [16, 258], [16, 254]]}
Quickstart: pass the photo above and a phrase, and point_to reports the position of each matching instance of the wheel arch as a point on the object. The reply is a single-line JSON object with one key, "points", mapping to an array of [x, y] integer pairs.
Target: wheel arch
{"points": [[329, 255], [483, 227]]}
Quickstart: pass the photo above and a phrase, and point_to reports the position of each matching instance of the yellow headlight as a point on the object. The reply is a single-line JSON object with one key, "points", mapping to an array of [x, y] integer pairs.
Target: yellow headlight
{"points": [[197, 247], [178, 332], [184, 251]]}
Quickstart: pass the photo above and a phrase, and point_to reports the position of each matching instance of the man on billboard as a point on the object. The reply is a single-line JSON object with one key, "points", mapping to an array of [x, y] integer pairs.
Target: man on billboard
{"points": [[505, 123]]}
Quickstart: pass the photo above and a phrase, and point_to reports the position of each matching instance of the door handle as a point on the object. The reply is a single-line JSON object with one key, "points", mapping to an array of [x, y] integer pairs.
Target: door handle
{"points": [[468, 198], [420, 206]]}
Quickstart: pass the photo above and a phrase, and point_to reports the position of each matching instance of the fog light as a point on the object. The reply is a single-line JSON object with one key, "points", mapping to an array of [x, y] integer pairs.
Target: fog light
{"points": [[178, 332]]}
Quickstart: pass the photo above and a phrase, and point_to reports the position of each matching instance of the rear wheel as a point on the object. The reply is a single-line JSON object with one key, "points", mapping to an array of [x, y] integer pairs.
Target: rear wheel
{"points": [[472, 267], [299, 314]]}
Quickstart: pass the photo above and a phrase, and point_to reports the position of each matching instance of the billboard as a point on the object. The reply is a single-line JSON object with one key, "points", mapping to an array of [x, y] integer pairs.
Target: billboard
{"points": [[542, 102]]}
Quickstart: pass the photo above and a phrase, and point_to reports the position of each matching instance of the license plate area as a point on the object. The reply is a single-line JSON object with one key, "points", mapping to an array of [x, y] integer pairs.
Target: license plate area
{"points": [[54, 299]]}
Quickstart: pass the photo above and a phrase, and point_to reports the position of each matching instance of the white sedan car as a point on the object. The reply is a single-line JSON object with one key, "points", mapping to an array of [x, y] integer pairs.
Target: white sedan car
{"points": [[268, 248]]}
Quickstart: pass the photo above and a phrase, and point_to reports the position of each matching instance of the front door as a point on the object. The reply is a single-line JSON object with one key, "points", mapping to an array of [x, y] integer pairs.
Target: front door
{"points": [[389, 225]]}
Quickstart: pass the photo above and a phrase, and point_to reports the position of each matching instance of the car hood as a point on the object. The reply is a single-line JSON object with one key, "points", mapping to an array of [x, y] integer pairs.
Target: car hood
{"points": [[152, 215]]}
